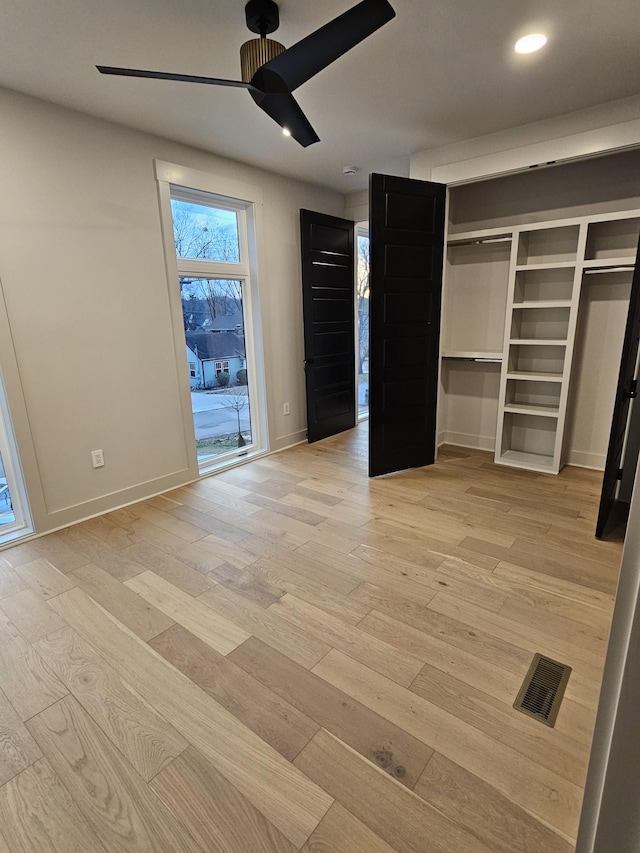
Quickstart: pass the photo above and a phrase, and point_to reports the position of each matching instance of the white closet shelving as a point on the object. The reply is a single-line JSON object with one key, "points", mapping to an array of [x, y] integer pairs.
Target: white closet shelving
{"points": [[511, 302]]}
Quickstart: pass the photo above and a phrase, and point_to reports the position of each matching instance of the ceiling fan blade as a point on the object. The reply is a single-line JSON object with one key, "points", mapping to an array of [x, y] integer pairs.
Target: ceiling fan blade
{"points": [[166, 75], [285, 111], [307, 57]]}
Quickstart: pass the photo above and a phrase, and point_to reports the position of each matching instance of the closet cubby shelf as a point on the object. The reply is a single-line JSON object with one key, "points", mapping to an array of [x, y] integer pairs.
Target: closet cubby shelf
{"points": [[537, 342], [606, 263], [479, 355], [532, 409], [530, 376], [523, 459], [555, 265], [544, 303]]}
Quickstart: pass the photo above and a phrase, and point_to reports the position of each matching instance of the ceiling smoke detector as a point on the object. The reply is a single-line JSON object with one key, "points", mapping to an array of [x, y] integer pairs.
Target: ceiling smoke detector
{"points": [[349, 170]]}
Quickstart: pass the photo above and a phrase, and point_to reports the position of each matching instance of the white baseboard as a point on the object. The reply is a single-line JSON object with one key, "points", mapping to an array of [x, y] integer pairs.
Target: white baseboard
{"points": [[586, 460], [462, 439]]}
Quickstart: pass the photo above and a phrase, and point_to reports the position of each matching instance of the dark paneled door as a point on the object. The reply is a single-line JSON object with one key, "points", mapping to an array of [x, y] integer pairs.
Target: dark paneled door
{"points": [[627, 389], [328, 282], [406, 230]]}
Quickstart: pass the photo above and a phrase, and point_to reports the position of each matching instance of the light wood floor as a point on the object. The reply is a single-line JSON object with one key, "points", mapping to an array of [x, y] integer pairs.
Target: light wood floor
{"points": [[288, 656]]}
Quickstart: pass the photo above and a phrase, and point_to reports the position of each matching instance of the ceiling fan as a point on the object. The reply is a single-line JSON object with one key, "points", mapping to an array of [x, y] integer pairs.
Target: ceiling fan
{"points": [[271, 72]]}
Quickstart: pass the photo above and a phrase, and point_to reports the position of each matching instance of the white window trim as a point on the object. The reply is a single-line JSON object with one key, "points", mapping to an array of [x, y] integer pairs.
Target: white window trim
{"points": [[181, 181]]}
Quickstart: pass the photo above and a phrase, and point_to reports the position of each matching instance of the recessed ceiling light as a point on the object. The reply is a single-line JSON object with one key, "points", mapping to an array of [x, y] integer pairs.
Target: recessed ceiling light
{"points": [[530, 43], [286, 131]]}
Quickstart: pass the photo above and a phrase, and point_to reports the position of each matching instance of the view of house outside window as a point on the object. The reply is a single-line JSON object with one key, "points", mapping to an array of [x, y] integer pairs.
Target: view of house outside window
{"points": [[7, 515], [208, 239]]}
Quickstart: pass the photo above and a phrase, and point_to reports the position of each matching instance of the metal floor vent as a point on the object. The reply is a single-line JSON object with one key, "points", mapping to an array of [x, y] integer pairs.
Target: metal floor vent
{"points": [[542, 690]]}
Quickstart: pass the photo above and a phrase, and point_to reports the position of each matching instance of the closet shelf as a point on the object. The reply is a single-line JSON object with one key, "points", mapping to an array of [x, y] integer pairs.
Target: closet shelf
{"points": [[555, 265], [605, 264], [534, 377], [538, 342], [479, 355], [532, 409], [522, 459], [544, 303]]}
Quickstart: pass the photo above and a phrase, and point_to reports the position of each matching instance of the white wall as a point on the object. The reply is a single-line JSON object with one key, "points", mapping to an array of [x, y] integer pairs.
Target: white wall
{"points": [[90, 361]]}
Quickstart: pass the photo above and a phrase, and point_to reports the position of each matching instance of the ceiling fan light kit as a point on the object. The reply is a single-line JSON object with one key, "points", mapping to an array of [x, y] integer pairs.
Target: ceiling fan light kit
{"points": [[271, 72]]}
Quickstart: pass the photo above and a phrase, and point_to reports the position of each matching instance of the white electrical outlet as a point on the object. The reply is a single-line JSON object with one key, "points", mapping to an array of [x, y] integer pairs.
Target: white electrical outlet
{"points": [[286, 409], [97, 458]]}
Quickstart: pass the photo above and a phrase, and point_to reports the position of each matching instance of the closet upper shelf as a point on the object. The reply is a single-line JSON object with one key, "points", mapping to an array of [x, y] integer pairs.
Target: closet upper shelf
{"points": [[469, 355]]}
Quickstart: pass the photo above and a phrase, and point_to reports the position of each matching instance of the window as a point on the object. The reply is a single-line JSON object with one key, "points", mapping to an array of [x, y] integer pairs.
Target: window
{"points": [[211, 254], [14, 513]]}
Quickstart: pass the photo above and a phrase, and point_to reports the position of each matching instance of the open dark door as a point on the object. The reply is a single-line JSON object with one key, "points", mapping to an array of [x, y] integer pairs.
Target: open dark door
{"points": [[406, 231], [626, 391], [328, 293]]}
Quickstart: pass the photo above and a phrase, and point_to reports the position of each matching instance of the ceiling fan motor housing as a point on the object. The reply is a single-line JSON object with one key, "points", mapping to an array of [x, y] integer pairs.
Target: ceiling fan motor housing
{"points": [[254, 54]]}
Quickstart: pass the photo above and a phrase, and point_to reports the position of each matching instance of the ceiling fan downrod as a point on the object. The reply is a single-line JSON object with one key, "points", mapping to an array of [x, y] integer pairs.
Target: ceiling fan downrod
{"points": [[262, 17]]}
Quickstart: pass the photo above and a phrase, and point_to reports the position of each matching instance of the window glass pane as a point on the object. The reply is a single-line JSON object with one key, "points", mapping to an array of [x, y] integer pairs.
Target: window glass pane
{"points": [[6, 508], [216, 355], [362, 296], [205, 233]]}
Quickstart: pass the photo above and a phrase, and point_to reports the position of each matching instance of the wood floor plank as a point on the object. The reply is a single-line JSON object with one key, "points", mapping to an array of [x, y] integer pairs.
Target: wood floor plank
{"points": [[37, 814], [146, 740], [217, 814], [457, 662], [43, 578], [462, 635], [64, 556], [206, 522], [253, 586], [114, 800], [566, 589], [18, 750], [10, 580], [386, 745], [538, 790], [31, 615], [283, 794], [96, 551], [545, 746], [142, 618], [364, 647], [184, 529], [298, 644], [215, 630], [551, 561], [531, 637], [376, 800], [339, 831], [27, 681], [280, 576], [170, 568], [487, 814], [590, 637], [269, 715]]}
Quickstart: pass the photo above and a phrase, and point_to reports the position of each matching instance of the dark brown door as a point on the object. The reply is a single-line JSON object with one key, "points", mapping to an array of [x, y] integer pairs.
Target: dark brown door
{"points": [[406, 231], [626, 390], [328, 282]]}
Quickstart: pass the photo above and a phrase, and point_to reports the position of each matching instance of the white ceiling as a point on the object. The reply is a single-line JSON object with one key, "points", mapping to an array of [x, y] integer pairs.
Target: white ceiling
{"points": [[440, 72]]}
